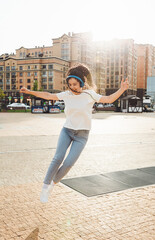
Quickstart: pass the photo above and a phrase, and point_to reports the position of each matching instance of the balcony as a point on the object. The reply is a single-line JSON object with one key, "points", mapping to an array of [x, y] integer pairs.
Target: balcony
{"points": [[13, 76], [13, 81], [13, 87]]}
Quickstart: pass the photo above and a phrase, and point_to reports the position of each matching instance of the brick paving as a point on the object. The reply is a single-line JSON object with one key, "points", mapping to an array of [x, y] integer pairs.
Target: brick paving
{"points": [[117, 142]]}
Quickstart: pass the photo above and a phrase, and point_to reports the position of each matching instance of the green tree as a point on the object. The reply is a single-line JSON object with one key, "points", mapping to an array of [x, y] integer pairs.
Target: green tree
{"points": [[2, 104], [41, 89], [35, 86], [2, 95]]}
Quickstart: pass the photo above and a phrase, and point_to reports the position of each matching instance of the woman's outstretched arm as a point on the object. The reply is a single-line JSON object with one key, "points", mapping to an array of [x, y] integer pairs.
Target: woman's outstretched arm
{"points": [[44, 95], [113, 97]]}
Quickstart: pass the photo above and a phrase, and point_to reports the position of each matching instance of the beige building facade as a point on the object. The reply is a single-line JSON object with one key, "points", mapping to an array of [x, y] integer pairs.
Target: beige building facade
{"points": [[49, 73], [114, 61], [34, 52], [145, 63], [109, 62]]}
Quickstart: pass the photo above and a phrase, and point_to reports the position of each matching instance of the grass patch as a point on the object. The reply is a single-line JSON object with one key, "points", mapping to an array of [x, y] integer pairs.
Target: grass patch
{"points": [[18, 110]]}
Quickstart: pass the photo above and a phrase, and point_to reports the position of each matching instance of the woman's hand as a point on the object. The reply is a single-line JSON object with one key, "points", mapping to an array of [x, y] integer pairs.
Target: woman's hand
{"points": [[124, 84], [24, 90]]}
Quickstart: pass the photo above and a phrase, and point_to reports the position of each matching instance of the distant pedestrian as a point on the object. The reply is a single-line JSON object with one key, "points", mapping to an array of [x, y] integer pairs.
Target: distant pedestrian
{"points": [[79, 100]]}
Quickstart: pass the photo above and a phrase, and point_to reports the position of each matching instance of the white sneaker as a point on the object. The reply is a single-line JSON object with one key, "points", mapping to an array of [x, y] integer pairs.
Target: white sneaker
{"points": [[44, 195], [46, 192]]}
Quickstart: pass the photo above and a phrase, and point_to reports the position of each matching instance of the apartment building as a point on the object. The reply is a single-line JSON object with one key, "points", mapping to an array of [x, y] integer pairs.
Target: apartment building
{"points": [[48, 72], [145, 61], [99, 66], [109, 62], [79, 48], [74, 47], [46, 65], [115, 60]]}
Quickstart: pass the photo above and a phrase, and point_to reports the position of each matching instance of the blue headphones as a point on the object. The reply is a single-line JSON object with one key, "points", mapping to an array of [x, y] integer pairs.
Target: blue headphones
{"points": [[73, 76]]}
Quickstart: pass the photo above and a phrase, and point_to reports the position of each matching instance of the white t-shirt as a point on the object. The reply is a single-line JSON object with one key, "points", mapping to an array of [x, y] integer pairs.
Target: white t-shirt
{"points": [[78, 108]]}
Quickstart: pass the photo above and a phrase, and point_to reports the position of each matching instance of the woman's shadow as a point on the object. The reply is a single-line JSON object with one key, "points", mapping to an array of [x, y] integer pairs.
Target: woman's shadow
{"points": [[33, 235]]}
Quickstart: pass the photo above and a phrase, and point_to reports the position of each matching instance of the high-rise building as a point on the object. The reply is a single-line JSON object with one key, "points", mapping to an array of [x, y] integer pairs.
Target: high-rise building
{"points": [[74, 47], [99, 66], [115, 60], [121, 63], [145, 62], [109, 62]]}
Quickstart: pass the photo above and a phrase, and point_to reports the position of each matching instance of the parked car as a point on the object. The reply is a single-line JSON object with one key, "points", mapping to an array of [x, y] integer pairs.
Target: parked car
{"points": [[61, 105], [18, 106], [109, 105], [102, 106]]}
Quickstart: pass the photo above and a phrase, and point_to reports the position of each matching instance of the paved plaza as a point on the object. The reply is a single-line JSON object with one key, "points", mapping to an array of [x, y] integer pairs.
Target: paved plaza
{"points": [[117, 141]]}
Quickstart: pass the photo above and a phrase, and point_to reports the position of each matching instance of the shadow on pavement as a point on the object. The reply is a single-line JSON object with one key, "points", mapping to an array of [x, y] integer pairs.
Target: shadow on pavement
{"points": [[33, 235]]}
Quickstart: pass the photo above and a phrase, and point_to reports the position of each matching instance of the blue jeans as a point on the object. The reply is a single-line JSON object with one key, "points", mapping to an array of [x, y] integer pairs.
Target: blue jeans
{"points": [[77, 139]]}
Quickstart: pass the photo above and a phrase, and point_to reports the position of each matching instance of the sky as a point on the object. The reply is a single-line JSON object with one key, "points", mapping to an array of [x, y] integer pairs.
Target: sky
{"points": [[31, 23]]}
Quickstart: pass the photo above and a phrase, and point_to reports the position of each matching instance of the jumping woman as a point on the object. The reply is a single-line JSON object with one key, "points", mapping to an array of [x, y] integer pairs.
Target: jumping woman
{"points": [[79, 100]]}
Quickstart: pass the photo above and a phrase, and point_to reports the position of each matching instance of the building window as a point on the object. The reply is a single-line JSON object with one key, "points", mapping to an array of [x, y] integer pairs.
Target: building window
{"points": [[64, 45], [43, 66], [50, 73], [28, 74], [13, 87], [8, 68], [50, 86], [21, 54], [28, 87], [21, 74], [13, 75], [50, 79], [7, 75], [44, 73], [13, 68], [35, 66], [1, 68], [44, 86], [20, 67], [7, 81], [50, 66], [8, 87], [117, 77], [28, 67], [44, 80], [21, 87], [21, 80], [64, 51], [35, 74], [36, 54], [28, 80]]}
